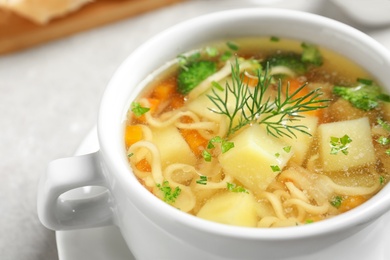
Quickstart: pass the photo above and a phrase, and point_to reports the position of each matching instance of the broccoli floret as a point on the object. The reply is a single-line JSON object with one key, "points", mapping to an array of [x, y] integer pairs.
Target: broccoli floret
{"points": [[290, 60], [365, 97], [194, 73], [311, 54], [296, 62]]}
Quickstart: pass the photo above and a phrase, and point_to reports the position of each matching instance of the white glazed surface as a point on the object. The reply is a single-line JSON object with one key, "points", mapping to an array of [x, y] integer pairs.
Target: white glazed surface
{"points": [[177, 235]]}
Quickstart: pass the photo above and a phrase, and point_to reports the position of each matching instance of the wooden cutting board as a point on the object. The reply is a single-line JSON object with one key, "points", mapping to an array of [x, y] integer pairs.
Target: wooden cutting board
{"points": [[17, 33]]}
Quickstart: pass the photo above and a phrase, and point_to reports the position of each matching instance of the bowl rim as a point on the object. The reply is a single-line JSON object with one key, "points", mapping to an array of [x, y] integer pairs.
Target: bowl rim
{"points": [[113, 153]]}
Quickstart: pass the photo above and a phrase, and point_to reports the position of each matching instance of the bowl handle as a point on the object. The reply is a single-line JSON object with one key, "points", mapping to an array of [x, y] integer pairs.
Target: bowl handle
{"points": [[64, 175]]}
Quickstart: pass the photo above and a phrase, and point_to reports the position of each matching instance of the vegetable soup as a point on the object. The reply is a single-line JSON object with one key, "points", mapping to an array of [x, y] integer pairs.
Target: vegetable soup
{"points": [[261, 132]]}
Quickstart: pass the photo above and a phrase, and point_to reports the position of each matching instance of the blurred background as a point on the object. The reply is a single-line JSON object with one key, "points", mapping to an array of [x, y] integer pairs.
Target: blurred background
{"points": [[52, 76]]}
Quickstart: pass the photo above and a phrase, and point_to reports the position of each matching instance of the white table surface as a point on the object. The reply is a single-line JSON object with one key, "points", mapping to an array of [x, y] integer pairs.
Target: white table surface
{"points": [[49, 98]]}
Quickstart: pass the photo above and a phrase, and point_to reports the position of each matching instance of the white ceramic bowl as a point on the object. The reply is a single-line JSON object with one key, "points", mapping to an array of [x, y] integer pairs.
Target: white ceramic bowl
{"points": [[152, 228]]}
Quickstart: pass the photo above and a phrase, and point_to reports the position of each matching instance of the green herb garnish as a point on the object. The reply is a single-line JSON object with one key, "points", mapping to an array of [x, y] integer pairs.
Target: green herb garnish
{"points": [[336, 202], [202, 180], [232, 46], [287, 149], [311, 54], [138, 110], [275, 168], [225, 146], [206, 155], [382, 140], [381, 180], [255, 107], [212, 51], [339, 144], [274, 39], [383, 124], [226, 56], [234, 188], [170, 195]]}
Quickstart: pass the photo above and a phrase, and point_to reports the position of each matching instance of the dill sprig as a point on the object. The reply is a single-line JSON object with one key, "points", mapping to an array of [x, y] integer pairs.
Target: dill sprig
{"points": [[277, 114]]}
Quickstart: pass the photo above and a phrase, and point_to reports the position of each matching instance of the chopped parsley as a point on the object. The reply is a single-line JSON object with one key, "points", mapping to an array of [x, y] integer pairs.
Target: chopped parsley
{"points": [[232, 46], [138, 110], [340, 144], [170, 195], [275, 168], [234, 188], [225, 146], [202, 180], [383, 140], [336, 202], [381, 180], [206, 155], [287, 149]]}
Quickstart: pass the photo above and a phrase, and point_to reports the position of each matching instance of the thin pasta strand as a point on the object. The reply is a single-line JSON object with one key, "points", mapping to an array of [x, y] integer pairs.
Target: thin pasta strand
{"points": [[155, 159]]}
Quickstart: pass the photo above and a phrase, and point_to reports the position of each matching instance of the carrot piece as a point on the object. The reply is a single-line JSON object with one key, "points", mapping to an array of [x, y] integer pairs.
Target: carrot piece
{"points": [[294, 84], [133, 134], [351, 202], [164, 90], [250, 81], [143, 165], [177, 101], [195, 140]]}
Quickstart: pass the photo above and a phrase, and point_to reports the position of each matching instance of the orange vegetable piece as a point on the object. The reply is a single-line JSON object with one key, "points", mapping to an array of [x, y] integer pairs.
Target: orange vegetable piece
{"points": [[250, 81], [133, 134], [177, 101], [195, 140], [143, 165], [294, 85], [351, 202], [164, 90]]}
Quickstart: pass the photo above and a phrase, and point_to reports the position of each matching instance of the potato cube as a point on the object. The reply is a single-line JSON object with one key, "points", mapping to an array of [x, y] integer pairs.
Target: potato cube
{"points": [[256, 159], [359, 152], [231, 208], [172, 146], [302, 142]]}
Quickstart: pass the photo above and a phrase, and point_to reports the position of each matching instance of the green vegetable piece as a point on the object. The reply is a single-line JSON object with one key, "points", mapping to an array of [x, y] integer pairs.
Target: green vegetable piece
{"points": [[274, 39], [383, 124], [290, 60], [275, 168], [202, 180], [340, 144], [234, 188], [226, 55], [311, 54], [364, 97], [194, 74], [336, 202], [170, 195], [232, 46], [383, 140], [138, 110], [206, 155], [287, 149]]}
